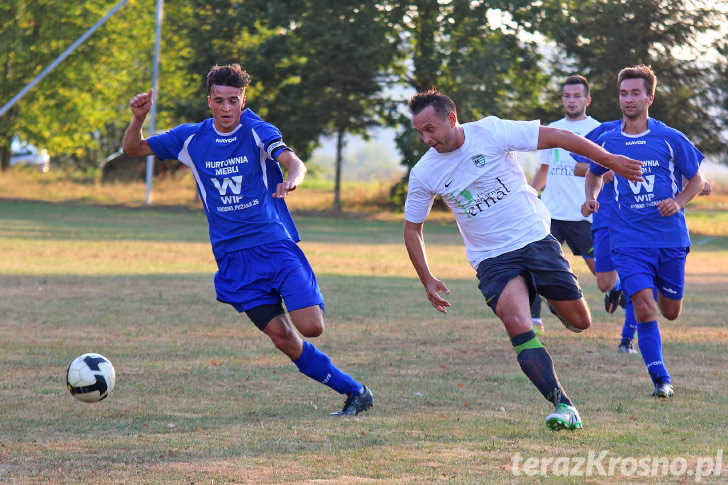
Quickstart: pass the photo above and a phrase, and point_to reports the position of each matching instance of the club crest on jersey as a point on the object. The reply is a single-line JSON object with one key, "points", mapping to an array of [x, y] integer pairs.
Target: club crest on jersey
{"points": [[478, 161]]}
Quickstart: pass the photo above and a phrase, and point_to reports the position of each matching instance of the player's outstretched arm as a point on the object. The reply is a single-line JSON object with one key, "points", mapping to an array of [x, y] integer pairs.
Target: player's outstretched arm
{"points": [[134, 143], [549, 137], [415, 244], [296, 173]]}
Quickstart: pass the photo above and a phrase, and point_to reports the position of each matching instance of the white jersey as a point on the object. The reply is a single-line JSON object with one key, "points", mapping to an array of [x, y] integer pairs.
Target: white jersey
{"points": [[484, 186], [564, 191]]}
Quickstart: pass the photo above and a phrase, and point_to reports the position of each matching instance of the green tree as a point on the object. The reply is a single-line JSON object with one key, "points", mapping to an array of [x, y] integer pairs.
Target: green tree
{"points": [[71, 111], [341, 42], [313, 64], [487, 68], [597, 38]]}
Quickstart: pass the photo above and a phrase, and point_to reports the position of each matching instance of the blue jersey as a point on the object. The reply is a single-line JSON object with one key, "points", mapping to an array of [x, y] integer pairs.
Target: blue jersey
{"points": [[236, 175], [606, 194], [667, 157]]}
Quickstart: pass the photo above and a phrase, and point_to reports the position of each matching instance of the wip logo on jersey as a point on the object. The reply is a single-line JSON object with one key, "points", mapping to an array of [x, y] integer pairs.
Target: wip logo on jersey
{"points": [[648, 183], [643, 199], [478, 161], [234, 184]]}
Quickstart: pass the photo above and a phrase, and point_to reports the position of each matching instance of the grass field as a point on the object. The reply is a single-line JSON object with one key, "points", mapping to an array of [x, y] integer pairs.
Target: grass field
{"points": [[202, 397]]}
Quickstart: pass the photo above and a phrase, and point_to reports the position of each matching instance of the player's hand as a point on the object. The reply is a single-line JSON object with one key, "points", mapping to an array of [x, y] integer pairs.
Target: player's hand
{"points": [[668, 207], [589, 207], [608, 177], [142, 103], [707, 189], [283, 188], [626, 167], [433, 294]]}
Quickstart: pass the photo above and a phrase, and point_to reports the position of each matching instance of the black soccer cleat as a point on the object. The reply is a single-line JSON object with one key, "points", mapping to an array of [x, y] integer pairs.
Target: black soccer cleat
{"points": [[356, 403], [626, 347], [612, 300]]}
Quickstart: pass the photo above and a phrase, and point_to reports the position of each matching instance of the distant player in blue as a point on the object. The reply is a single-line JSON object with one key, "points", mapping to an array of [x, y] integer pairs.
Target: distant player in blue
{"points": [[235, 158], [648, 235], [607, 278]]}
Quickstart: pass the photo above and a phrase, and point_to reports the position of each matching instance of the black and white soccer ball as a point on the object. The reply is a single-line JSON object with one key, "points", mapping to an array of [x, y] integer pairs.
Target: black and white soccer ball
{"points": [[90, 377]]}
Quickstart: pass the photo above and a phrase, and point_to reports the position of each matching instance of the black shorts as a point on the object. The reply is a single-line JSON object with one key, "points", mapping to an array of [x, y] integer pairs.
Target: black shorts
{"points": [[577, 235], [543, 266]]}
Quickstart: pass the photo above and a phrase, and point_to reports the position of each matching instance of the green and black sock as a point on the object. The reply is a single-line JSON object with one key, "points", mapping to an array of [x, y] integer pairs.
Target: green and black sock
{"points": [[536, 363]]}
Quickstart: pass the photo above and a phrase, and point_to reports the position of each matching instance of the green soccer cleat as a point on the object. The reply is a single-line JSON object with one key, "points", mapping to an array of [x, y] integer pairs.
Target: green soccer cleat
{"points": [[663, 390], [356, 403], [563, 417]]}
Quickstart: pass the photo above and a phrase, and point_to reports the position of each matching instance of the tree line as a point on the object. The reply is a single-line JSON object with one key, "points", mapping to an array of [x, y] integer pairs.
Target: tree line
{"points": [[322, 67]]}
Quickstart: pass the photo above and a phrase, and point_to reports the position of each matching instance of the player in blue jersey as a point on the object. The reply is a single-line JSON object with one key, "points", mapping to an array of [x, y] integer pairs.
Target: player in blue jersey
{"points": [[607, 278], [648, 235], [235, 158]]}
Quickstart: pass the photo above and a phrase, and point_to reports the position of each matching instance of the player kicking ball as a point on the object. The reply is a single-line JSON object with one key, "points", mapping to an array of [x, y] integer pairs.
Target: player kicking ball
{"points": [[235, 158]]}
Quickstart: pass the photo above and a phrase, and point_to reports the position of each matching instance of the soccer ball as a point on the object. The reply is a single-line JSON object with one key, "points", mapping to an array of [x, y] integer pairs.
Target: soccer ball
{"points": [[90, 377]]}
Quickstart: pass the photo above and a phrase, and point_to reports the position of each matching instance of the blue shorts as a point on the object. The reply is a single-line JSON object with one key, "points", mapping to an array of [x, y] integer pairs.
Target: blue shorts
{"points": [[541, 263], [663, 268], [267, 274], [602, 255]]}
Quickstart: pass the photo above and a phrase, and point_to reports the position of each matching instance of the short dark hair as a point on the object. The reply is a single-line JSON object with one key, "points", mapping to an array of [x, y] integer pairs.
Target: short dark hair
{"points": [[230, 75], [577, 79], [441, 103], [639, 72]]}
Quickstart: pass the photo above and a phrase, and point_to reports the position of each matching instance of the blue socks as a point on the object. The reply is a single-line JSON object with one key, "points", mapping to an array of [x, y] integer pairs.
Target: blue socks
{"points": [[318, 366], [630, 322], [650, 344]]}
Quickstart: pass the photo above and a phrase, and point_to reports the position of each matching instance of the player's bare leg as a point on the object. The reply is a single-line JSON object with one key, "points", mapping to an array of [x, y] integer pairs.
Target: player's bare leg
{"points": [[574, 314], [513, 308]]}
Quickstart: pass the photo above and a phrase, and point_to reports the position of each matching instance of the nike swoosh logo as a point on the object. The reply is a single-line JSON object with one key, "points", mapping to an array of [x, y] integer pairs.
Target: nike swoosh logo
{"points": [[448, 184], [487, 300]]}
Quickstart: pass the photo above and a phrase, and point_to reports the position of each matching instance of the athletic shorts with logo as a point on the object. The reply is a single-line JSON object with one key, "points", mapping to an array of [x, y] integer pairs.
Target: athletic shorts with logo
{"points": [[267, 274], [663, 268], [541, 263]]}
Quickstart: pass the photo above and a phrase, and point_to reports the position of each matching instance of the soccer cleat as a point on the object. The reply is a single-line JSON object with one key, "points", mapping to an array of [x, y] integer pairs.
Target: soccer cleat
{"points": [[625, 347], [356, 403], [663, 390], [612, 300], [563, 417], [538, 328]]}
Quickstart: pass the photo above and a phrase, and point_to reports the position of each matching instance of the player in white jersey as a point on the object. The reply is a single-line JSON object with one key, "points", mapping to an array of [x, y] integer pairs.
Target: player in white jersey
{"points": [[235, 158], [561, 180], [504, 225]]}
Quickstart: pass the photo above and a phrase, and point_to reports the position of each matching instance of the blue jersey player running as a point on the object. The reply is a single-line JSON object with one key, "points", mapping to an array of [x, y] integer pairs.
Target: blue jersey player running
{"points": [[235, 158], [607, 278], [648, 235]]}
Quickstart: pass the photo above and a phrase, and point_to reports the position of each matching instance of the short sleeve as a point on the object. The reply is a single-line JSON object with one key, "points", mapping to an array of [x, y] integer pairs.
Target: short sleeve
{"points": [[419, 200]]}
